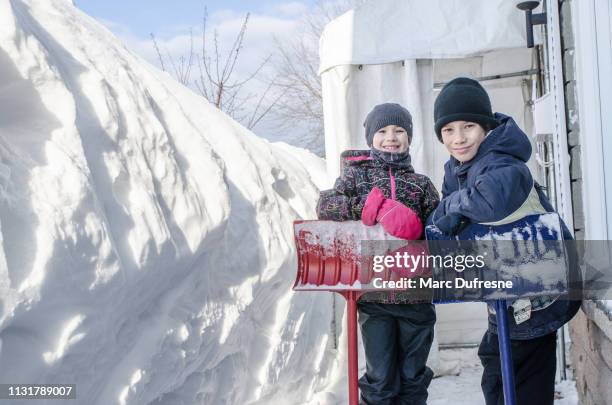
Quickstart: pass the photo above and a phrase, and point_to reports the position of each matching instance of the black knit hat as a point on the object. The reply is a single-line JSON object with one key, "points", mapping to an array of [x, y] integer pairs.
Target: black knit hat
{"points": [[387, 114], [463, 99]]}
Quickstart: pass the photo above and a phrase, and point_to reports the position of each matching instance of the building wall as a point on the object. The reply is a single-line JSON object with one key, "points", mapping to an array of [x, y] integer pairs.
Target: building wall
{"points": [[591, 354], [571, 114], [591, 329]]}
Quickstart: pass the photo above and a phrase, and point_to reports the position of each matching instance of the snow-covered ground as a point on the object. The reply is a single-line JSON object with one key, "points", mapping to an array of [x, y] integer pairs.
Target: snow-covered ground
{"points": [[464, 388], [146, 242], [459, 384]]}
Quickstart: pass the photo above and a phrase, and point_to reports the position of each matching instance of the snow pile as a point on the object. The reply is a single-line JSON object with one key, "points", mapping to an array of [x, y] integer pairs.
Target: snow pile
{"points": [[147, 249]]}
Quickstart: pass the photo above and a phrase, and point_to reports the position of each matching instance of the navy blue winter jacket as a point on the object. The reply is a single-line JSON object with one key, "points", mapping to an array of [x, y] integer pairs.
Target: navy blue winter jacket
{"points": [[495, 182], [488, 188]]}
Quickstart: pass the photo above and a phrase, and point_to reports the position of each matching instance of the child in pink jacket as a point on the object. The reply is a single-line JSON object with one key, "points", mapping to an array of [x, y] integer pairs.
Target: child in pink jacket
{"points": [[380, 186]]}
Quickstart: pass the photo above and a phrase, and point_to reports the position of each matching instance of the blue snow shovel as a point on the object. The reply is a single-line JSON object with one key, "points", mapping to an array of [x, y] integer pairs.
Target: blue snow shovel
{"points": [[529, 253]]}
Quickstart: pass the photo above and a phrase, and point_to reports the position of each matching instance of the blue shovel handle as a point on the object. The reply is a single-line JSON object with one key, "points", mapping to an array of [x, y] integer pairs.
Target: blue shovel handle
{"points": [[505, 351]]}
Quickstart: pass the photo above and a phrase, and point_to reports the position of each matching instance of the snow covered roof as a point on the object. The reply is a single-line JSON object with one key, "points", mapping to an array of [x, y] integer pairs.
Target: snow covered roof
{"points": [[383, 31]]}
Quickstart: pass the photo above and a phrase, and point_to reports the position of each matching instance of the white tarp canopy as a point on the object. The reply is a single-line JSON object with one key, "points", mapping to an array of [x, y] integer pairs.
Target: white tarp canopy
{"points": [[403, 51], [384, 31], [398, 50]]}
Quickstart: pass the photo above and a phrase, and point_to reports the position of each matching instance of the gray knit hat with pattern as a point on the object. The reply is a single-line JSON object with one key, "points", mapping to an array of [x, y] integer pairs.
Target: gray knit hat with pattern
{"points": [[387, 114]]}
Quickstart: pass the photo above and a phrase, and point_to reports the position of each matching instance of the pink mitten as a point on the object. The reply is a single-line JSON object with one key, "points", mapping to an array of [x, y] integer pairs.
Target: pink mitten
{"points": [[399, 220], [420, 269], [371, 206]]}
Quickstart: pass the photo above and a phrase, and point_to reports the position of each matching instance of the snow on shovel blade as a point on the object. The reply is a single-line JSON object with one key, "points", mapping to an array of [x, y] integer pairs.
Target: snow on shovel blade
{"points": [[330, 256], [529, 252]]}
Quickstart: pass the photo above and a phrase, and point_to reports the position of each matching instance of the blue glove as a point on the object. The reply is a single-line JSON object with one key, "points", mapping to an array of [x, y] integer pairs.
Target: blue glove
{"points": [[451, 224]]}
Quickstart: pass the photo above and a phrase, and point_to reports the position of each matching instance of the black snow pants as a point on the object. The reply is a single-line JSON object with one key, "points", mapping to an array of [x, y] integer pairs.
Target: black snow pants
{"points": [[396, 339], [535, 362]]}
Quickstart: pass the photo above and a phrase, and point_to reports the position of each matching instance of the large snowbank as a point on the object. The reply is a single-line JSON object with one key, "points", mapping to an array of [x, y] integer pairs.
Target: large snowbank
{"points": [[147, 251]]}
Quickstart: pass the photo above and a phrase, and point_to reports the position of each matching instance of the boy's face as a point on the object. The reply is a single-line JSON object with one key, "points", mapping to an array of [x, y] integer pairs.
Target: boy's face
{"points": [[391, 138], [462, 139]]}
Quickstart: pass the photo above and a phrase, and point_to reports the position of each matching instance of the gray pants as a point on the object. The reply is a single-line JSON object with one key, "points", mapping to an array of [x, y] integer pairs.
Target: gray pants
{"points": [[396, 339]]}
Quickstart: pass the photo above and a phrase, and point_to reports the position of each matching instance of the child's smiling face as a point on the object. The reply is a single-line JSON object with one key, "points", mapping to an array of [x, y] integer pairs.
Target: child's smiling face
{"points": [[391, 138], [462, 139]]}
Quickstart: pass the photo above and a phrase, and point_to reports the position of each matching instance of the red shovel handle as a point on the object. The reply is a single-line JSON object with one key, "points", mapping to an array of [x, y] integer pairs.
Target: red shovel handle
{"points": [[353, 366]]}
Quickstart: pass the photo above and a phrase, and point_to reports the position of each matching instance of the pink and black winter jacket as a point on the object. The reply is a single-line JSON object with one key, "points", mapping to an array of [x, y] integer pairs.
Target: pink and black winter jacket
{"points": [[360, 174]]}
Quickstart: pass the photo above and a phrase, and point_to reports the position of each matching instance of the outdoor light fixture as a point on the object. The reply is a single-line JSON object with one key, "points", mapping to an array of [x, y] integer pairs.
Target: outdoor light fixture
{"points": [[531, 19]]}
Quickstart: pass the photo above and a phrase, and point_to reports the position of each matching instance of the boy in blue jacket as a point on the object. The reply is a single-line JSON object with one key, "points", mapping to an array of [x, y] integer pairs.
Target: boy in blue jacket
{"points": [[487, 179]]}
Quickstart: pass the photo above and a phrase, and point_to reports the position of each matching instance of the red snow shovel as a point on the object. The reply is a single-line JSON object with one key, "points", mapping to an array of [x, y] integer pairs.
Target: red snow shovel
{"points": [[332, 257]]}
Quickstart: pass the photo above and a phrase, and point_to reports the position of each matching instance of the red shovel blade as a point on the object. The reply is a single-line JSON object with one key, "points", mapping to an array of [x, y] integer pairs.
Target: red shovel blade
{"points": [[330, 256]]}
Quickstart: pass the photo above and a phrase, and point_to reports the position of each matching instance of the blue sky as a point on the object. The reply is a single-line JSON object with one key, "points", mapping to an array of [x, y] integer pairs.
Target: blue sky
{"points": [[164, 16], [133, 22]]}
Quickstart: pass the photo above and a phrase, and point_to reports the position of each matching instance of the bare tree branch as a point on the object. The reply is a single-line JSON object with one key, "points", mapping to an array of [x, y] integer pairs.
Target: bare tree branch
{"points": [[217, 57], [235, 50], [159, 55], [293, 95], [255, 117], [296, 65]]}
